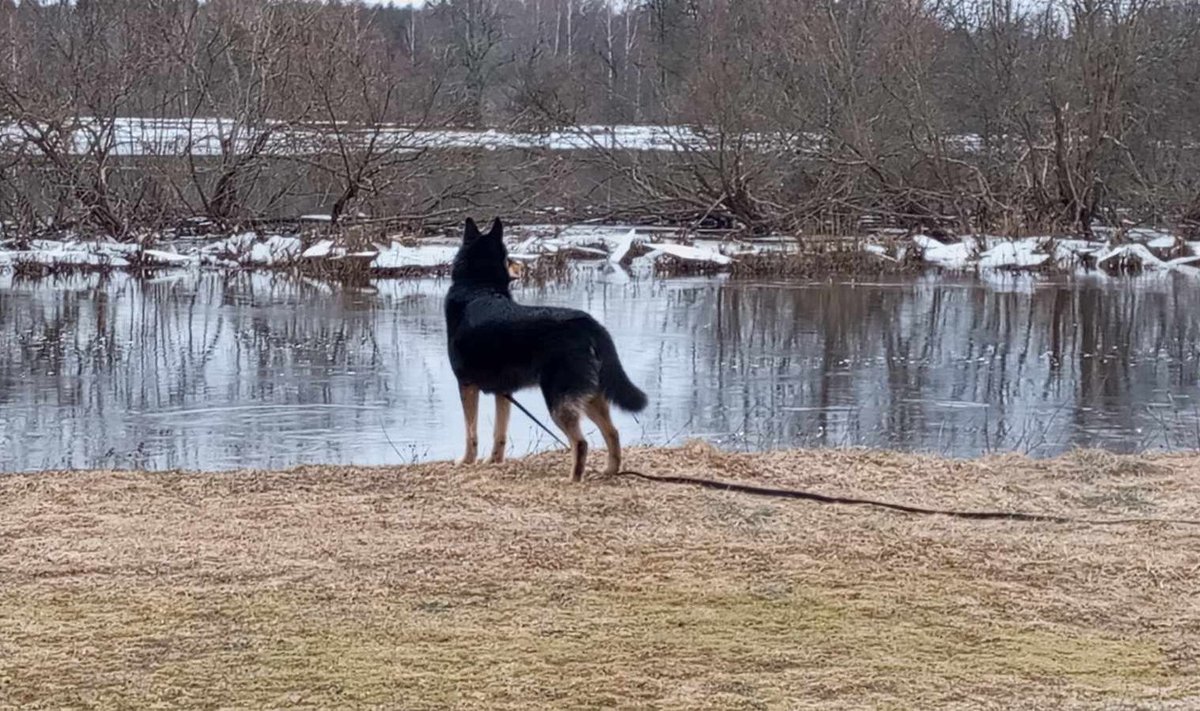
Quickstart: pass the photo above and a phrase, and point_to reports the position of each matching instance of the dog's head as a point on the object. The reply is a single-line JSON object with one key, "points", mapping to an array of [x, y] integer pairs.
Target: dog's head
{"points": [[482, 259]]}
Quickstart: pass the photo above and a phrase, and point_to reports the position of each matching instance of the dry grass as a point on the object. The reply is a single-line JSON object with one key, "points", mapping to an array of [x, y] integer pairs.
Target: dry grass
{"points": [[505, 586], [824, 258]]}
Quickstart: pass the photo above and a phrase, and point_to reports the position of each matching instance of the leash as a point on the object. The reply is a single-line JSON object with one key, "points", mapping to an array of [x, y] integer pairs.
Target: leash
{"points": [[842, 500], [902, 508], [854, 501], [538, 422]]}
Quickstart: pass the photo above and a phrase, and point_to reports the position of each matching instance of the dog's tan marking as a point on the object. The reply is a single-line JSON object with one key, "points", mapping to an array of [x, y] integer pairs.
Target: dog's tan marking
{"points": [[597, 410], [500, 432], [469, 394], [566, 416], [516, 269]]}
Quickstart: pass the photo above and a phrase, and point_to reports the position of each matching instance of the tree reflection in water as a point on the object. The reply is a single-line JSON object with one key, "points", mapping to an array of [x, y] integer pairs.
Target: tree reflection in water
{"points": [[209, 371]]}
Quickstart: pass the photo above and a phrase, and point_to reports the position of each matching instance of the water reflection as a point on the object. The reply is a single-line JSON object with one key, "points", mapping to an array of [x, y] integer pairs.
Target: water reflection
{"points": [[219, 371]]}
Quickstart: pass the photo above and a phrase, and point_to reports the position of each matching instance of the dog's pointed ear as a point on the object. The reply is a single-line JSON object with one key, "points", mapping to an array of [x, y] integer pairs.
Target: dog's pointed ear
{"points": [[497, 230], [471, 232]]}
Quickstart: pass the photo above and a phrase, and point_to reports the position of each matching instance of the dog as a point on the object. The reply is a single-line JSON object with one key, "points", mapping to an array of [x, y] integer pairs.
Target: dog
{"points": [[498, 347]]}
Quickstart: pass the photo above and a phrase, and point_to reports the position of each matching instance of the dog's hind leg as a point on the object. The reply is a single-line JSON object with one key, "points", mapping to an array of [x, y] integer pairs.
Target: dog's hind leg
{"points": [[500, 432], [597, 409], [566, 416], [469, 394]]}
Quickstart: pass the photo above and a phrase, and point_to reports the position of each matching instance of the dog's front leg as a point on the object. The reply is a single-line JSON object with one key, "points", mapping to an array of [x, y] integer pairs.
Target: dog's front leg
{"points": [[500, 433], [469, 394]]}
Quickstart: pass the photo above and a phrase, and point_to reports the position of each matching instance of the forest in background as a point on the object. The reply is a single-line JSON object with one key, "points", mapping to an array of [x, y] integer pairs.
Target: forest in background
{"points": [[801, 116]]}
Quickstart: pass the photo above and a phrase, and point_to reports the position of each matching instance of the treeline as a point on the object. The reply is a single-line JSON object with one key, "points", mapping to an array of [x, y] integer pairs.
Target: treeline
{"points": [[812, 114]]}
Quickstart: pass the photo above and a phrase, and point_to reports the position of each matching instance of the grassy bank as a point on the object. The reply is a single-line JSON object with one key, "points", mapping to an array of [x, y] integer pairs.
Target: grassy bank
{"points": [[505, 586]]}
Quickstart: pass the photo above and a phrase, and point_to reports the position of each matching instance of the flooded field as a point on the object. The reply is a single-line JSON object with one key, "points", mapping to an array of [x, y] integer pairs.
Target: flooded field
{"points": [[207, 371]]}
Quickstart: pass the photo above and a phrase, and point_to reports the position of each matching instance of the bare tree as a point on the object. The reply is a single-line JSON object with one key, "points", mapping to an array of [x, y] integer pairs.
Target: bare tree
{"points": [[475, 34], [374, 142], [798, 115]]}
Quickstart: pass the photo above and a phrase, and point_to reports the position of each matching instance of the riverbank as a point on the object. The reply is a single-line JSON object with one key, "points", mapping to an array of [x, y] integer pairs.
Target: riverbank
{"points": [[430, 586], [546, 249]]}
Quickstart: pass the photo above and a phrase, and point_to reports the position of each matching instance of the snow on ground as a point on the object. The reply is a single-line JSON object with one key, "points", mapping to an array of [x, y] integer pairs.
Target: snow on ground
{"points": [[65, 253], [63, 256], [879, 251], [1146, 249], [163, 258], [613, 244], [691, 254], [214, 136], [1022, 254], [248, 249], [398, 256], [276, 249], [1140, 254], [622, 248], [251, 250], [1162, 242], [323, 249], [1131, 253], [957, 255], [1142, 248], [1070, 253]]}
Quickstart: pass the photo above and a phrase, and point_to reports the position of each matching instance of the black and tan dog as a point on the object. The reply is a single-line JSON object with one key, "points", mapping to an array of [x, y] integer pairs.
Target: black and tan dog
{"points": [[498, 346]]}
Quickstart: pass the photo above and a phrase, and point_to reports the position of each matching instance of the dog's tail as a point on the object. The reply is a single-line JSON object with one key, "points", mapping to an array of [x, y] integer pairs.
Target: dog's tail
{"points": [[614, 383]]}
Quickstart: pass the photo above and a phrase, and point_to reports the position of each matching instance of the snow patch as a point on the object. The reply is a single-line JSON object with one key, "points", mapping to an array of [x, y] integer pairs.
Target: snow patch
{"points": [[692, 254], [948, 256], [1163, 242], [879, 251], [1132, 254], [64, 255], [623, 247], [247, 249], [1021, 254], [164, 258], [322, 249], [398, 256]]}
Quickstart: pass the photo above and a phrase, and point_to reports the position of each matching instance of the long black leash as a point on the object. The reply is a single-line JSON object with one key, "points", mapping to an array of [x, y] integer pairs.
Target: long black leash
{"points": [[903, 508], [529, 414], [853, 501], [842, 500]]}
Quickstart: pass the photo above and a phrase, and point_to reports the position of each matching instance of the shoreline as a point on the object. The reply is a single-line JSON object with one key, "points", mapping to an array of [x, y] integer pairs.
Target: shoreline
{"points": [[547, 249], [429, 585]]}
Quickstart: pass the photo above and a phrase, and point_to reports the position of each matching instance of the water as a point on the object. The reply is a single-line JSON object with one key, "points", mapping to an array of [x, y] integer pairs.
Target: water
{"points": [[207, 371]]}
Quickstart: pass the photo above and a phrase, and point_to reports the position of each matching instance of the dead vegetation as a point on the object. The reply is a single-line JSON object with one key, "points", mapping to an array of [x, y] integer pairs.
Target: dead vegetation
{"points": [[821, 116], [430, 586], [824, 258]]}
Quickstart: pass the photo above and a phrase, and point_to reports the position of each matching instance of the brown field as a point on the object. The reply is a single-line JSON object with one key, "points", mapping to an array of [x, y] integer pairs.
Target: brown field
{"points": [[430, 586]]}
